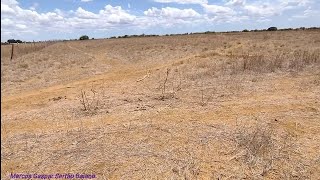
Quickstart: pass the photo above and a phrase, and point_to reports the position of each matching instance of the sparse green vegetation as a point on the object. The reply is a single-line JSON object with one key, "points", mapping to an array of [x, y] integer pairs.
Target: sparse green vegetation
{"points": [[84, 37]]}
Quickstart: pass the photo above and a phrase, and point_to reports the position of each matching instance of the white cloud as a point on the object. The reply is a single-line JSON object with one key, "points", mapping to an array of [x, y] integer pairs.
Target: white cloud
{"points": [[169, 17], [308, 13], [218, 10], [296, 2], [5, 9], [116, 15], [81, 13], [86, 0], [293, 4], [6, 24], [21, 26], [273, 8], [262, 10], [311, 12], [170, 12], [236, 2], [217, 14], [34, 6], [27, 18], [9, 2], [18, 21], [263, 20], [183, 1]]}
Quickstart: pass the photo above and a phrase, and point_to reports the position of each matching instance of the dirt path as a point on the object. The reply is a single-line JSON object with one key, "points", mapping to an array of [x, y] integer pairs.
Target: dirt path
{"points": [[81, 51]]}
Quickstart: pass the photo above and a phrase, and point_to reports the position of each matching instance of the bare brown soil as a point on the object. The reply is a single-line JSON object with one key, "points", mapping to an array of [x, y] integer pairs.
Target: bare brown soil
{"points": [[214, 106]]}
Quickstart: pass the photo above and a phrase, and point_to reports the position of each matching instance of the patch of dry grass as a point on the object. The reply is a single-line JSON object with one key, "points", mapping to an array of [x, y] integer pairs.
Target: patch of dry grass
{"points": [[22, 49], [139, 120], [266, 150]]}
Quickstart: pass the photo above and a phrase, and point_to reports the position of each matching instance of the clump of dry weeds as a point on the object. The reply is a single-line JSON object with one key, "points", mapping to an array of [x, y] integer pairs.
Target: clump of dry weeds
{"points": [[267, 151], [170, 85], [302, 58], [91, 101], [263, 63], [252, 63]]}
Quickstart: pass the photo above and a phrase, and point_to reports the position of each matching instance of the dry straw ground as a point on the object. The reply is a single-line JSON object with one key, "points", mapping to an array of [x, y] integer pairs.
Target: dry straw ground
{"points": [[214, 106]]}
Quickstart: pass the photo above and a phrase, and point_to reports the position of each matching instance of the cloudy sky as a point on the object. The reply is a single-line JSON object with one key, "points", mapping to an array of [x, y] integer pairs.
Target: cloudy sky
{"points": [[66, 19]]}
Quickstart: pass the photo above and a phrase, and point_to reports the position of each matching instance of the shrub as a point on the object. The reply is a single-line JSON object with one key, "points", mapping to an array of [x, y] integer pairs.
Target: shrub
{"points": [[90, 101], [209, 32], [84, 37], [267, 150], [11, 41], [14, 41]]}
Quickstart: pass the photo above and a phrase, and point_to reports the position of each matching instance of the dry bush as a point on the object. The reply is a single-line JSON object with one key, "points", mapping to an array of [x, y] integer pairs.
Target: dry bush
{"points": [[257, 145], [169, 85], [235, 64], [266, 151], [164, 84], [303, 58], [278, 61], [260, 63], [90, 101]]}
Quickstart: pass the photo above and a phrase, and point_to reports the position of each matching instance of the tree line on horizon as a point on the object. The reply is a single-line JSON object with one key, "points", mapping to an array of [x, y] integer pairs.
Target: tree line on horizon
{"points": [[85, 37]]}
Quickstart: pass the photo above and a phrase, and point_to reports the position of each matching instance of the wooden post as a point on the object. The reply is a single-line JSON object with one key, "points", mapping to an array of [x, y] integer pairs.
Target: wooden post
{"points": [[12, 51]]}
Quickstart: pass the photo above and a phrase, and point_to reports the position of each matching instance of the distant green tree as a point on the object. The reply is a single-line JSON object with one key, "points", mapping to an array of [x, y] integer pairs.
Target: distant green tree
{"points": [[11, 41], [84, 37]]}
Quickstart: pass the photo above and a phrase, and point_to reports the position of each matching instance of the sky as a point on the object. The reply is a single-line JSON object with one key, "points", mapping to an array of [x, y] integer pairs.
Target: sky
{"points": [[30, 20]]}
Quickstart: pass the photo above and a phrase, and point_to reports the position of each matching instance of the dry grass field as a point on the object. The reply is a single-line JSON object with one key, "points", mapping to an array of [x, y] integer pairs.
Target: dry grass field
{"points": [[205, 106]]}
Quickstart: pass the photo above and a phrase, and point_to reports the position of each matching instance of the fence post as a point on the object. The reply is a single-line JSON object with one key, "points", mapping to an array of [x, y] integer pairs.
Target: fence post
{"points": [[11, 51]]}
